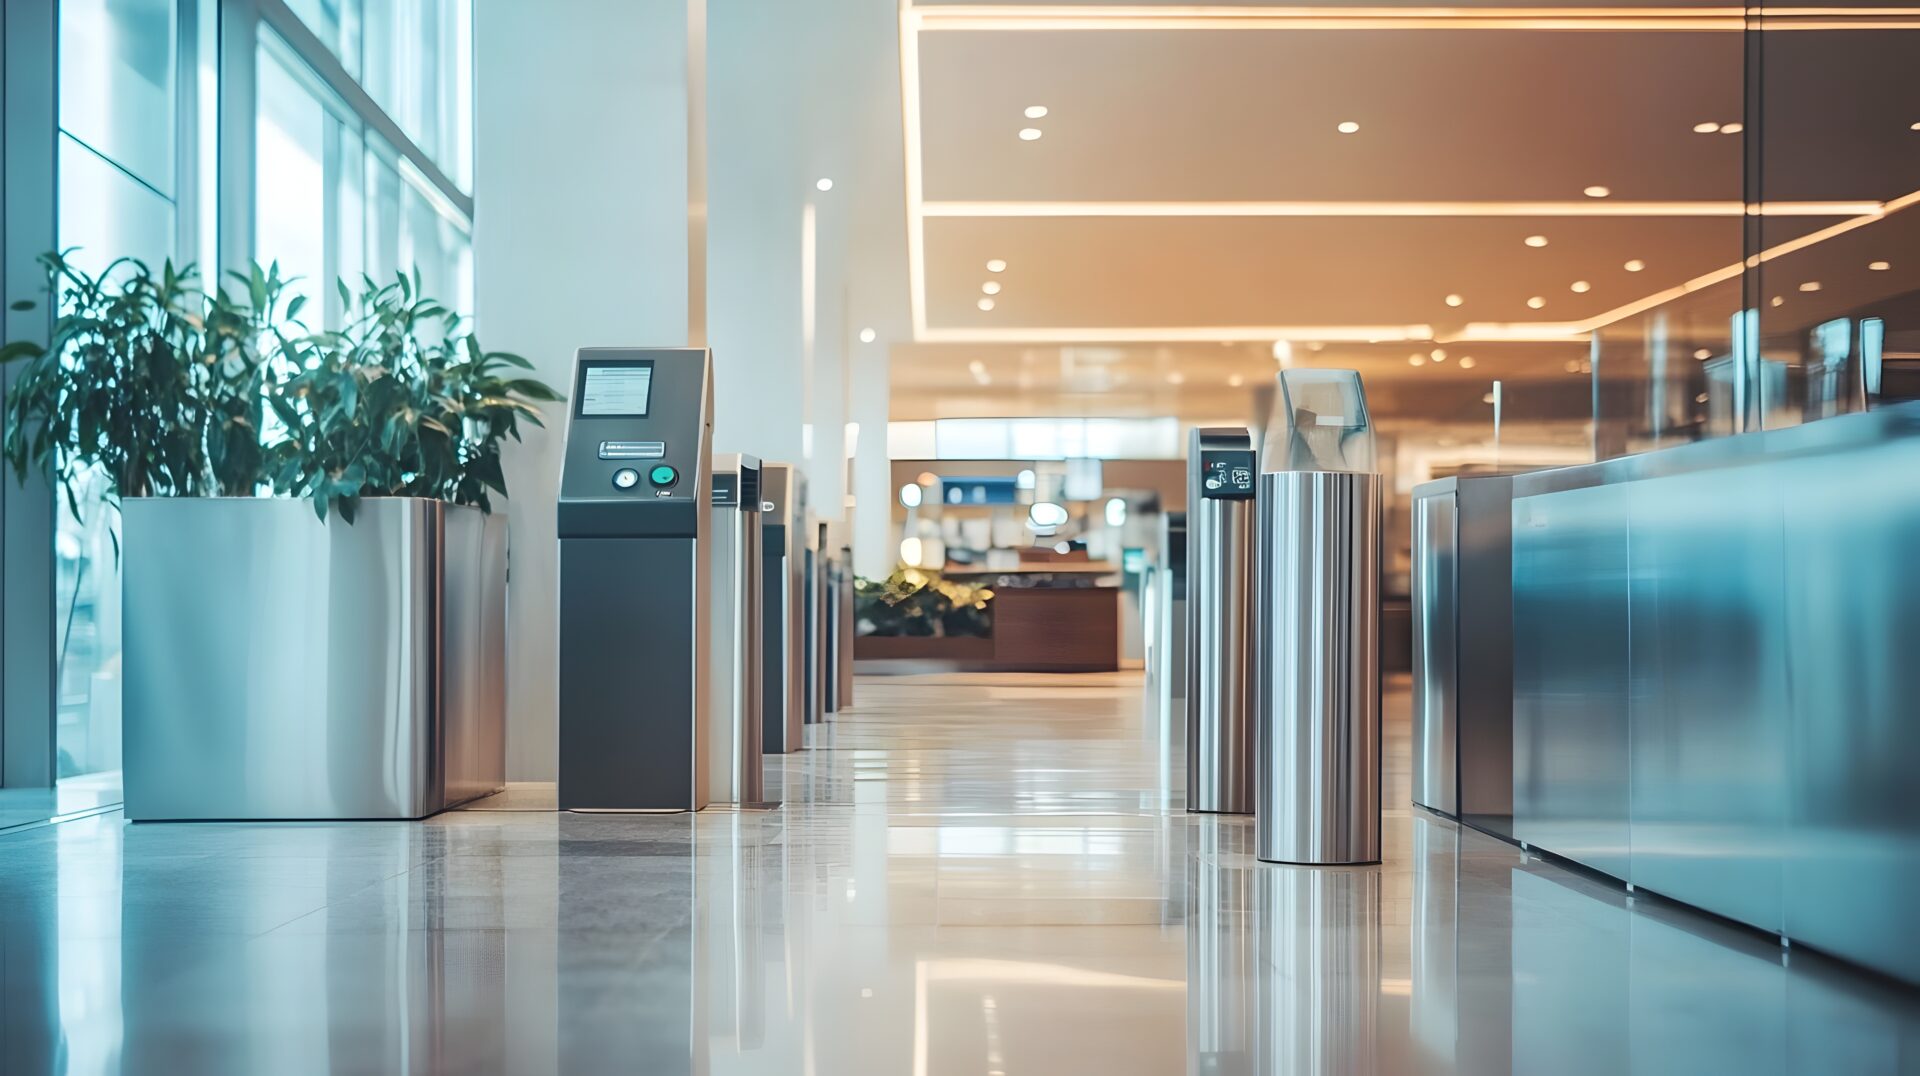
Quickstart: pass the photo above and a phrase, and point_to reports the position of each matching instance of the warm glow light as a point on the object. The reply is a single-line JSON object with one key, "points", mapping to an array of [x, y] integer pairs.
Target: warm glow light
{"points": [[1582, 208], [823, 184], [1708, 127], [1703, 354], [1634, 266], [1536, 302], [1416, 360], [1879, 267], [1779, 300], [1572, 366], [1438, 354], [1467, 363], [996, 265], [1036, 112], [1580, 287], [985, 304], [1236, 381], [1731, 128], [1455, 300], [1283, 352], [1487, 398], [1348, 127], [1030, 134], [1597, 191], [1536, 241], [1176, 378], [910, 552], [991, 287], [1811, 285], [868, 336]]}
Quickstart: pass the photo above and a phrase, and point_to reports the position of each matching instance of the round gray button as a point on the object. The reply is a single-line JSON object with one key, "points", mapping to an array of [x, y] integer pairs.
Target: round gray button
{"points": [[626, 478]]}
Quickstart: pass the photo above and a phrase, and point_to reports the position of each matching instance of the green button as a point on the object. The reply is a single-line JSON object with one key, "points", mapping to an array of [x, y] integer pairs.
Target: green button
{"points": [[663, 475]]}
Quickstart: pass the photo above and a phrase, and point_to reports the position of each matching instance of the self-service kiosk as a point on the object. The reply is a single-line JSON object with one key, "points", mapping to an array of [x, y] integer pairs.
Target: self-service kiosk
{"points": [[734, 727], [783, 551], [635, 590]]}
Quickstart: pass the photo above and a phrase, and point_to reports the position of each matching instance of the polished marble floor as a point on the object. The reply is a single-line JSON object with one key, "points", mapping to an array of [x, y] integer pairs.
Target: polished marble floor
{"points": [[971, 875]]}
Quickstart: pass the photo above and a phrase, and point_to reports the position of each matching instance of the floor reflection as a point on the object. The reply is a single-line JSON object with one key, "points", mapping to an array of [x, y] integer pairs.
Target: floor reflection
{"points": [[969, 877]]}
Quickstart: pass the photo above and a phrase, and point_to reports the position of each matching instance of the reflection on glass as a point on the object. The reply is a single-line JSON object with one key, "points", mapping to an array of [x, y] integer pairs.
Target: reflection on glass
{"points": [[291, 134], [419, 67], [337, 24], [117, 83]]}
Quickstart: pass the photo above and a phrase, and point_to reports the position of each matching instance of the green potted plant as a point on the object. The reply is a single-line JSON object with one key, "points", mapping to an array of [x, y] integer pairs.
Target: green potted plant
{"points": [[336, 649]]}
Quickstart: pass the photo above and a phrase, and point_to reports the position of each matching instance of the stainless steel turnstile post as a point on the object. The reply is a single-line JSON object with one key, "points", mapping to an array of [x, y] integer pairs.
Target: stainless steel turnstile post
{"points": [[1318, 656], [1221, 464], [736, 730]]}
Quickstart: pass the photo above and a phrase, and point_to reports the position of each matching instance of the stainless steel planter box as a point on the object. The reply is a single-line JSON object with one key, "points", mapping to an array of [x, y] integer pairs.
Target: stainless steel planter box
{"points": [[278, 667]]}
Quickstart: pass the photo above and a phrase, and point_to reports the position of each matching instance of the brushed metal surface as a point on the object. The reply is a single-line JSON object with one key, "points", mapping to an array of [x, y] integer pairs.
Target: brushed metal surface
{"points": [[1436, 669], [1483, 686], [1714, 683], [1170, 621], [278, 667], [1317, 725], [843, 636], [474, 654], [783, 555], [1219, 704], [1570, 678], [734, 730]]}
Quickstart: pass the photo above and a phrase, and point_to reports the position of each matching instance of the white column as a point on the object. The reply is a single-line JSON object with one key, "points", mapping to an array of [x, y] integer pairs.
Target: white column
{"points": [[583, 236]]}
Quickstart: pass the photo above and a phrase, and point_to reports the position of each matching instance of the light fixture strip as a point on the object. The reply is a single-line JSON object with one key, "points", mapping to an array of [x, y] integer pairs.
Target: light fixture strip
{"points": [[1394, 209], [910, 23]]}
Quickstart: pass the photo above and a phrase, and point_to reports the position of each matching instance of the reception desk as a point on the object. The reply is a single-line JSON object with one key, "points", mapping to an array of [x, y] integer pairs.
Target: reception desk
{"points": [[1060, 627], [1716, 677]]}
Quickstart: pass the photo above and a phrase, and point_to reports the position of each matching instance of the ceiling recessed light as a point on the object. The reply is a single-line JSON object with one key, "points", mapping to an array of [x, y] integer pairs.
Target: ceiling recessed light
{"points": [[1536, 302], [823, 184], [985, 304], [995, 265], [1914, 127], [1348, 127], [1438, 354], [1731, 128], [1416, 360], [1779, 300], [1705, 128], [1535, 241], [1029, 134], [1597, 191], [1036, 112], [1236, 381], [1702, 398], [1176, 378], [991, 287], [1879, 267], [1455, 300], [1703, 354], [1486, 398], [1635, 266], [1466, 362], [1580, 287], [1811, 285], [867, 336], [1315, 345]]}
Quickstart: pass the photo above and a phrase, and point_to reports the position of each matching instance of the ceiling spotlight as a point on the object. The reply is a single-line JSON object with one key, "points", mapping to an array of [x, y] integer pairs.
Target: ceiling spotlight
{"points": [[823, 184], [1702, 398], [1879, 267], [1036, 112], [1580, 287], [1348, 127], [1315, 345], [1416, 360], [1030, 134], [1705, 128], [1236, 381], [1536, 241], [1731, 128], [1703, 354], [1536, 303], [1438, 354], [1176, 378], [867, 336], [985, 304], [1486, 398], [1597, 191], [1914, 127], [995, 265], [1779, 300], [1634, 266], [1455, 300], [991, 287], [1811, 285], [1466, 362]]}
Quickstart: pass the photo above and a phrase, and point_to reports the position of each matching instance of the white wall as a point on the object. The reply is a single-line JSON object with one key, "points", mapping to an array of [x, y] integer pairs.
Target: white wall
{"points": [[580, 239]]}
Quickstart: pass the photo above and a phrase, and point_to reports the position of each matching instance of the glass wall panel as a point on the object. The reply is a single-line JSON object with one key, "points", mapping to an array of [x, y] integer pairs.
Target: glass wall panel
{"points": [[117, 60], [419, 67], [337, 24]]}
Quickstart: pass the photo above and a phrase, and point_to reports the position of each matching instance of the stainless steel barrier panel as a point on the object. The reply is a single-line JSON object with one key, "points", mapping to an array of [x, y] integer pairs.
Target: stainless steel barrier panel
{"points": [[783, 556], [1169, 667], [735, 730], [1317, 685], [1436, 615], [1221, 465]]}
